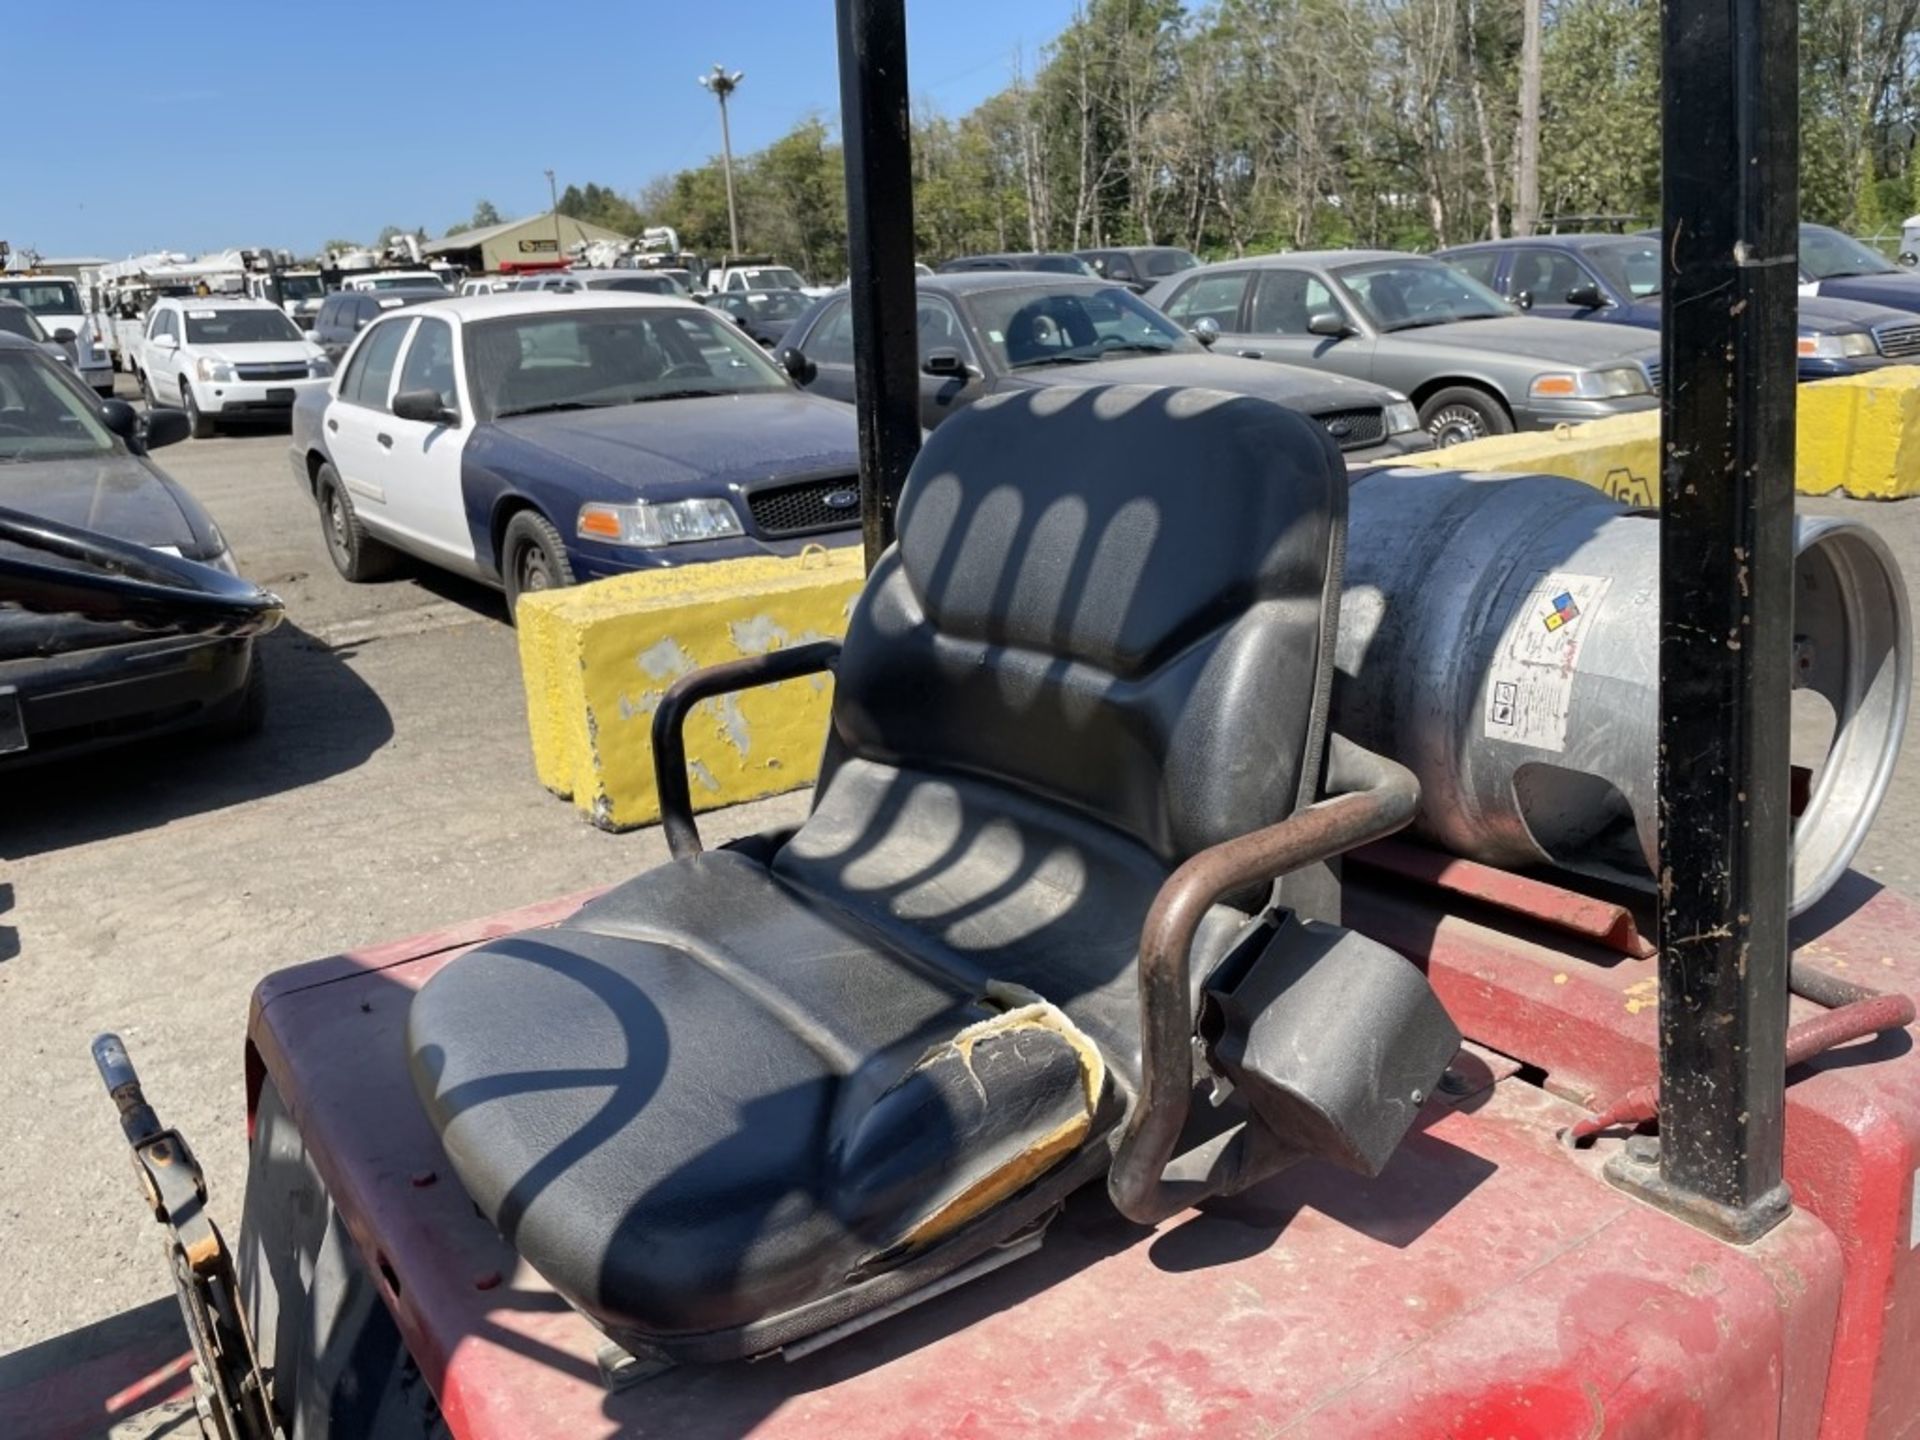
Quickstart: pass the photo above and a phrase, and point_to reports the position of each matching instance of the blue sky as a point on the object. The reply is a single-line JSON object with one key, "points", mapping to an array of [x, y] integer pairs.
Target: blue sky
{"points": [[251, 124]]}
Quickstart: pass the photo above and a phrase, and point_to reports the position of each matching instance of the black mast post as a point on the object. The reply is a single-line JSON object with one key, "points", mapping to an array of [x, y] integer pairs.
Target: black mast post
{"points": [[1729, 194], [876, 140]]}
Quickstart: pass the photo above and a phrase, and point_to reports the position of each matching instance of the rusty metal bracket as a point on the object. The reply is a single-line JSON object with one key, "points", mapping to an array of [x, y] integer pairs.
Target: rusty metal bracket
{"points": [[230, 1391]]}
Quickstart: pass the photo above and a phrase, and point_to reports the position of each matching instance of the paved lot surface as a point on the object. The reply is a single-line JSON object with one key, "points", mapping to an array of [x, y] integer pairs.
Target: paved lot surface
{"points": [[391, 792]]}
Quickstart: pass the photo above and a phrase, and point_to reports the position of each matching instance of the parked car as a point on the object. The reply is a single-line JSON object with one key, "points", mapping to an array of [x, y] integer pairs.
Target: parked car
{"points": [[1472, 364], [639, 282], [766, 315], [397, 280], [1615, 279], [1006, 330], [16, 319], [68, 685], [1835, 266], [1053, 264], [225, 358], [531, 441], [345, 314], [55, 302], [1139, 267], [485, 285], [731, 276]]}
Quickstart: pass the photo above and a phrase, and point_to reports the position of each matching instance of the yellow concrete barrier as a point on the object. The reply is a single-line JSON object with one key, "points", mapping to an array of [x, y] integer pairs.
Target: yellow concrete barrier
{"points": [[1859, 435], [595, 660]]}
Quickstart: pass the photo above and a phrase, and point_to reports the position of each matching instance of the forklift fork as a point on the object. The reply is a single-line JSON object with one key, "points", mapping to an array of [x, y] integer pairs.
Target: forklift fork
{"points": [[230, 1391]]}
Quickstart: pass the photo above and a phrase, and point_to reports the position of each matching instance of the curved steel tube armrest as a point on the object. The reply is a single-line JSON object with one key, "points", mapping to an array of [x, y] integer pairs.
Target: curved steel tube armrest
{"points": [[1370, 797], [669, 744]]}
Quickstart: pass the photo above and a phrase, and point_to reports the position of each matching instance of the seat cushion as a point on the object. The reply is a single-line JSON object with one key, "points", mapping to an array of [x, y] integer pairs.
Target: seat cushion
{"points": [[712, 1097]]}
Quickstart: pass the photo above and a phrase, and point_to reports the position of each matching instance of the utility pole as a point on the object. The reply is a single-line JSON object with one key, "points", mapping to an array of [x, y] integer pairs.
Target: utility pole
{"points": [[722, 85], [1526, 190], [553, 197]]}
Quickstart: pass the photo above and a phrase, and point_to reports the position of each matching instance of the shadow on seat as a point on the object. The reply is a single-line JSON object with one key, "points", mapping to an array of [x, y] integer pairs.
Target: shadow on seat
{"points": [[1078, 728]]}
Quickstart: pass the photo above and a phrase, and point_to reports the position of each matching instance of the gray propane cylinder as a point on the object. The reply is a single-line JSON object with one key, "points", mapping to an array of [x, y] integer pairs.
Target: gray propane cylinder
{"points": [[1499, 636]]}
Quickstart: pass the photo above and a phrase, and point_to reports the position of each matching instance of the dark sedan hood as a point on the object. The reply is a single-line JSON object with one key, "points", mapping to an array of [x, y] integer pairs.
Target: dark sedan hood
{"points": [[722, 439], [1900, 291], [114, 494], [1291, 385], [1563, 342]]}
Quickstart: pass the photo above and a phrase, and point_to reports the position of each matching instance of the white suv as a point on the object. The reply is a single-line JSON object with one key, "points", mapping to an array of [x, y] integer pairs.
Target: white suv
{"points": [[222, 358]]}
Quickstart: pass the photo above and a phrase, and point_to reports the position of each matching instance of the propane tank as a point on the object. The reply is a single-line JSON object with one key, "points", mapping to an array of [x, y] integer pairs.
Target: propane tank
{"points": [[1499, 636]]}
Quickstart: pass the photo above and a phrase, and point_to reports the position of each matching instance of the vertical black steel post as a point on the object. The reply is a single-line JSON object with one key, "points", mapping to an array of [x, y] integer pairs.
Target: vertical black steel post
{"points": [[1730, 193], [876, 139]]}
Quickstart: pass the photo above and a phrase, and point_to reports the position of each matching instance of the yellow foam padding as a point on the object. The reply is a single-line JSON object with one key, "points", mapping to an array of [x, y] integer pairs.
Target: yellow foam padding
{"points": [[596, 660], [1859, 435]]}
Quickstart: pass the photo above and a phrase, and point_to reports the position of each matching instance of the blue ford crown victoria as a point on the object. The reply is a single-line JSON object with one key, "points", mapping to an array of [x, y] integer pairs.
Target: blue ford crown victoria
{"points": [[531, 440]]}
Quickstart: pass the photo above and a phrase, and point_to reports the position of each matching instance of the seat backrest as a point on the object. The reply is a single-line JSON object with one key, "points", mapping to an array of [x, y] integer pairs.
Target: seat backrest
{"points": [[1117, 599]]}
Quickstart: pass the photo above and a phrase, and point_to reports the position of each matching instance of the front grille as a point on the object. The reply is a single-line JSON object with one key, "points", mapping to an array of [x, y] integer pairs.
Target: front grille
{"points": [[1897, 342], [808, 506], [280, 370], [1355, 429], [1653, 375]]}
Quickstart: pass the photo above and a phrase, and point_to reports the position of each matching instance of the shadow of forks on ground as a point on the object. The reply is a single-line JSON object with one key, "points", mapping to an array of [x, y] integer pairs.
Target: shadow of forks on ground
{"points": [[322, 720]]}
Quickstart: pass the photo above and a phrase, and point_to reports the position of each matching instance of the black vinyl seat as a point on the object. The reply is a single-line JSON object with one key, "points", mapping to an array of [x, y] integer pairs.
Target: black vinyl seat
{"points": [[758, 1091]]}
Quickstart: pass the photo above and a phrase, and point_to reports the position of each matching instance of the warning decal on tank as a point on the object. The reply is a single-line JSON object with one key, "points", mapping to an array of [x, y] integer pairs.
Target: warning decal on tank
{"points": [[1530, 683]]}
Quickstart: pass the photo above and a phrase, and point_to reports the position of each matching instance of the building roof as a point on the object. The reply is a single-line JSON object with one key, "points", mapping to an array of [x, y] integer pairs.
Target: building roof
{"points": [[474, 239]]}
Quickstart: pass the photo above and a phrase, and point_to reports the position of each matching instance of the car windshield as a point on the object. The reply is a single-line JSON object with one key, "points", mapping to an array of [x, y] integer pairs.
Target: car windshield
{"points": [[1029, 327], [589, 359], [1826, 254], [642, 284], [17, 321], [1407, 294], [301, 287], [400, 282], [43, 297], [239, 327], [1169, 262], [1631, 267], [777, 278], [42, 415]]}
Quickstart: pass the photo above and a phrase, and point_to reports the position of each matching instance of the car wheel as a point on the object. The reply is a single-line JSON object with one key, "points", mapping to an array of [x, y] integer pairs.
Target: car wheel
{"points": [[202, 427], [1460, 413], [146, 390], [532, 557], [355, 554]]}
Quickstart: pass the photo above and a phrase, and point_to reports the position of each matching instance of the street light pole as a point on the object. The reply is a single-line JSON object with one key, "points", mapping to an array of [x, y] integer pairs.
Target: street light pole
{"points": [[722, 85], [553, 198]]}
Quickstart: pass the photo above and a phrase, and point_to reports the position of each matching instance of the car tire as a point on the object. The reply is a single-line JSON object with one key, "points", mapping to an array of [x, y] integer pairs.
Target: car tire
{"points": [[532, 557], [146, 390], [201, 425], [355, 554], [249, 717], [1461, 413]]}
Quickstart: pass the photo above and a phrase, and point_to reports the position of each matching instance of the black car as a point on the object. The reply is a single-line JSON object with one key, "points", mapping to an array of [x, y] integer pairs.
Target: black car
{"points": [[985, 333], [345, 313], [69, 684], [1051, 263], [17, 319], [1615, 279], [766, 315], [1139, 267]]}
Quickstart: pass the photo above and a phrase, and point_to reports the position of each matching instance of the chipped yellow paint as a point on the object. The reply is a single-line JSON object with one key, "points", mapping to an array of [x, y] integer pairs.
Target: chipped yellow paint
{"points": [[596, 660], [1859, 435], [1642, 995]]}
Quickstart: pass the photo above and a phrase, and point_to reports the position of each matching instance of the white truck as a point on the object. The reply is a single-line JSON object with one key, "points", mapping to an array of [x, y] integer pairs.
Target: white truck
{"points": [[55, 302], [737, 274]]}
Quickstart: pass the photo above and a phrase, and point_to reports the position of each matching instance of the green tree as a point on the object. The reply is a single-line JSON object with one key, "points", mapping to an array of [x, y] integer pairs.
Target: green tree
{"points": [[601, 205]]}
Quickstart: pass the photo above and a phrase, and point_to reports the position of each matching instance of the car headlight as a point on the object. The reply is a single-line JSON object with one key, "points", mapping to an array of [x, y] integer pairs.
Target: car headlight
{"points": [[1402, 417], [319, 366], [209, 368], [1837, 347], [674, 523], [1610, 384]]}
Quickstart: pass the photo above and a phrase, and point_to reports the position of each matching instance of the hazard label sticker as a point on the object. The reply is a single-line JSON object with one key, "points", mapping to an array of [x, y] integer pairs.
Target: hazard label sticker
{"points": [[1530, 683]]}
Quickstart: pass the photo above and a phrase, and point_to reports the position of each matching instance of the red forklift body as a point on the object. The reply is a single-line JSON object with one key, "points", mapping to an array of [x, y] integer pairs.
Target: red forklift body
{"points": [[1490, 1283]]}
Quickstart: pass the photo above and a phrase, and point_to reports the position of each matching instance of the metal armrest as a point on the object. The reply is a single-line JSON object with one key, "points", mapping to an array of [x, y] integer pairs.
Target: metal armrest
{"points": [[1370, 797], [669, 744]]}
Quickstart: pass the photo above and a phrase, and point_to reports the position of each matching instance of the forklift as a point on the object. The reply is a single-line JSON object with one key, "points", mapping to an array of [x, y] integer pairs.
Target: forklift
{"points": [[1094, 1060]]}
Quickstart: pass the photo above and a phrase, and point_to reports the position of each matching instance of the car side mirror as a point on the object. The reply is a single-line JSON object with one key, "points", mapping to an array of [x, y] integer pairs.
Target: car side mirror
{"points": [[1586, 296], [423, 405], [1907, 258], [796, 364], [1523, 299], [166, 342], [165, 426], [359, 322], [121, 418], [312, 337], [1206, 331], [944, 362], [1329, 323], [63, 335]]}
